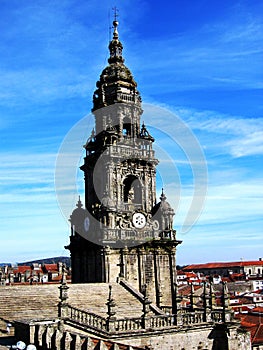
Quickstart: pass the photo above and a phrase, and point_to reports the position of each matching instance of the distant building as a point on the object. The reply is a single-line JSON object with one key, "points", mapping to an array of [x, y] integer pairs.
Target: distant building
{"points": [[243, 268], [34, 273], [253, 321]]}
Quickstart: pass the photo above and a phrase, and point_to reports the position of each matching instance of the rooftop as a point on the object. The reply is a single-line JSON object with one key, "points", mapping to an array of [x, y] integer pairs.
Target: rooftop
{"points": [[218, 265]]}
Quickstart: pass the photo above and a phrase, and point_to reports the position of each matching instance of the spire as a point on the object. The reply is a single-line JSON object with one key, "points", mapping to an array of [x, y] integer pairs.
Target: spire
{"points": [[116, 83], [115, 45], [79, 203], [163, 196]]}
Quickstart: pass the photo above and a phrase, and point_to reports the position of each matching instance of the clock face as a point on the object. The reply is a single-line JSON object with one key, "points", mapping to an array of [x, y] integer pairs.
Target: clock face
{"points": [[86, 224], [139, 220]]}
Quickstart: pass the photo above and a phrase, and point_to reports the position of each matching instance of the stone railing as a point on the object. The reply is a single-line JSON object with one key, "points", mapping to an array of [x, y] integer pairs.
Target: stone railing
{"points": [[125, 234], [129, 152], [124, 325], [190, 318], [161, 321], [87, 318], [126, 97], [113, 325]]}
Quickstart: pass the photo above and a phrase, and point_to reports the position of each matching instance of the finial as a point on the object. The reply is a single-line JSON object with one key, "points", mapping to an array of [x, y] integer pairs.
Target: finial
{"points": [[111, 304], [79, 204], [163, 197], [115, 45], [115, 23]]}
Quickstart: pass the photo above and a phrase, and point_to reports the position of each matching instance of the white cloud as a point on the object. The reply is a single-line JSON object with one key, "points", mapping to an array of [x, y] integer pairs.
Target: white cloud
{"points": [[239, 136], [247, 145]]}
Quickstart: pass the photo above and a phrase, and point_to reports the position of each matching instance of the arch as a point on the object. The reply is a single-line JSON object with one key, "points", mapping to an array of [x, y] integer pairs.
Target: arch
{"points": [[132, 190], [126, 128]]}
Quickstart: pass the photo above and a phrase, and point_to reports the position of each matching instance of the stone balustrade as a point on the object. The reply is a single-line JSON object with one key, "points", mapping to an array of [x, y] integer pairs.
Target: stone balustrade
{"points": [[128, 152], [190, 318], [161, 321], [113, 325], [87, 318], [127, 324]]}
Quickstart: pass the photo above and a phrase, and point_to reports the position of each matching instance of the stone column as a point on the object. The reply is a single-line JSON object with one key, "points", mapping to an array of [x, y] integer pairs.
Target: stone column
{"points": [[106, 253], [172, 267], [158, 287]]}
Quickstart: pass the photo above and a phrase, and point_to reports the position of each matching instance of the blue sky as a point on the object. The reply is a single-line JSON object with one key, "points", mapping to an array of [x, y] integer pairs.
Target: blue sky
{"points": [[201, 60]]}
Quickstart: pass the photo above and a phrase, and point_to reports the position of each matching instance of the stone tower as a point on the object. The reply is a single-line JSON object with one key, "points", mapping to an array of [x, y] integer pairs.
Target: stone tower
{"points": [[122, 233]]}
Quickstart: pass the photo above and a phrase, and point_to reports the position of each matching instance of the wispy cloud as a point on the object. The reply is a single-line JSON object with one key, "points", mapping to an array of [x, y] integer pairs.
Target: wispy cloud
{"points": [[237, 136]]}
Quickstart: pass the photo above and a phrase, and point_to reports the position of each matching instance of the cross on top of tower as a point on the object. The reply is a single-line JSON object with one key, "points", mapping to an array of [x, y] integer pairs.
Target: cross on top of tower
{"points": [[115, 23], [115, 13]]}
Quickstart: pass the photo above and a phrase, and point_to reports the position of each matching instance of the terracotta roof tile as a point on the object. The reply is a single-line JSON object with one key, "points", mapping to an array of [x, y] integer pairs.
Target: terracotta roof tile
{"points": [[253, 323], [22, 269], [216, 265]]}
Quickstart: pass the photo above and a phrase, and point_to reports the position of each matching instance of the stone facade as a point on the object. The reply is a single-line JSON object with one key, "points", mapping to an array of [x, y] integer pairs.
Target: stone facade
{"points": [[122, 232]]}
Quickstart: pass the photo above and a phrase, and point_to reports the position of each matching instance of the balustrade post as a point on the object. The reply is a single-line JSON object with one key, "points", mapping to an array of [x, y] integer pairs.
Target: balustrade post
{"points": [[176, 304], [146, 308], [110, 321], [63, 296]]}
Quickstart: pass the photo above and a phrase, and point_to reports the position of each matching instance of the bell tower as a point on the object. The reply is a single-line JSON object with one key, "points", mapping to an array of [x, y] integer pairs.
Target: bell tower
{"points": [[122, 233]]}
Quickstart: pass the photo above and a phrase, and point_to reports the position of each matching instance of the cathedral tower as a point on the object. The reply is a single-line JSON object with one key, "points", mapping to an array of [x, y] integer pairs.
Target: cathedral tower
{"points": [[122, 233]]}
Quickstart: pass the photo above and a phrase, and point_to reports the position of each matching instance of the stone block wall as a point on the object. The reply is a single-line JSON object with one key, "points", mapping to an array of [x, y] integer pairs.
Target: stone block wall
{"points": [[53, 335]]}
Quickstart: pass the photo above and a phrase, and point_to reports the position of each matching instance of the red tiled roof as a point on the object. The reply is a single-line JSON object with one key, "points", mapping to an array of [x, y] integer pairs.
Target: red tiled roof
{"points": [[216, 265], [258, 309], [50, 267], [180, 272], [22, 269], [254, 325], [190, 274], [186, 290], [257, 337]]}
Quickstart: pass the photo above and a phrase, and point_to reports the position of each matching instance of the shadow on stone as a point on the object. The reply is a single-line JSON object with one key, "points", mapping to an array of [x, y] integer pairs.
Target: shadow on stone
{"points": [[219, 335]]}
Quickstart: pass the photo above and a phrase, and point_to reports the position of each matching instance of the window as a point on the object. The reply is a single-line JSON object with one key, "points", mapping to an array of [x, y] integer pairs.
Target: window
{"points": [[132, 190]]}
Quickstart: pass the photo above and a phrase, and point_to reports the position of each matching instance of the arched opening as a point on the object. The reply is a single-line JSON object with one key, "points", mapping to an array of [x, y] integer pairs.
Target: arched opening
{"points": [[126, 129], [132, 190]]}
